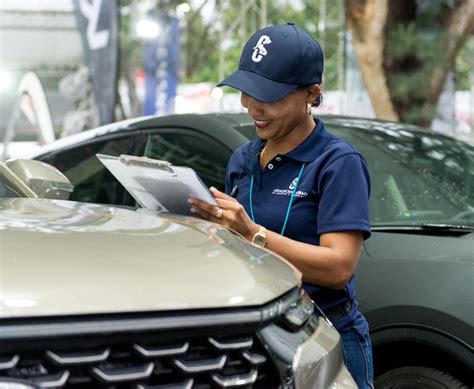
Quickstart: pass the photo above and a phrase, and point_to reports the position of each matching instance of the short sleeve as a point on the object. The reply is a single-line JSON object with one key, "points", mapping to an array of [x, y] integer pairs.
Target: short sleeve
{"points": [[228, 181], [344, 189], [232, 172]]}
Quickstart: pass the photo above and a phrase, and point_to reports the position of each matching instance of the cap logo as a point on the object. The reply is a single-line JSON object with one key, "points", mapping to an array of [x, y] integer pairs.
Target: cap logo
{"points": [[259, 51]]}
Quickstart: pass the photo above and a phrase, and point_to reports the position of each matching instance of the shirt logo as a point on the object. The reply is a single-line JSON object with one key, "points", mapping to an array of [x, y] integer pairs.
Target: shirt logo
{"points": [[259, 51], [289, 191], [293, 183]]}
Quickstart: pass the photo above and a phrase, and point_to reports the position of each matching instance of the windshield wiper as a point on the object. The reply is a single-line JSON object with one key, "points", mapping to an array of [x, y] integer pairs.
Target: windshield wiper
{"points": [[446, 226], [424, 227]]}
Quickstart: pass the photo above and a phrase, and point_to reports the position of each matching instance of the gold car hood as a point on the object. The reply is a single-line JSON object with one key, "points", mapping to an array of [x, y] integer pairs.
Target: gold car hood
{"points": [[63, 258]]}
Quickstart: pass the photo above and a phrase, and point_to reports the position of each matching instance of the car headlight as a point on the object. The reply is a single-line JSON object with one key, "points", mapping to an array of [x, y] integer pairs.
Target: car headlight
{"points": [[298, 313], [304, 346]]}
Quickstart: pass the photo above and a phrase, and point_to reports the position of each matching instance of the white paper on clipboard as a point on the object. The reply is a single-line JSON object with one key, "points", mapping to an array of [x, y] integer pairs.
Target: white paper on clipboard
{"points": [[158, 185]]}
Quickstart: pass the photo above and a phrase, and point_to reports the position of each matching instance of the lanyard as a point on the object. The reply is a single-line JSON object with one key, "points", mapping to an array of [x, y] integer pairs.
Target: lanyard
{"points": [[289, 204]]}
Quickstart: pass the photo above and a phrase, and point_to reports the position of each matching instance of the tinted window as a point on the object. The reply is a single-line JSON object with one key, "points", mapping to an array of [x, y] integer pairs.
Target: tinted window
{"points": [[92, 181], [416, 177], [206, 156], [247, 130]]}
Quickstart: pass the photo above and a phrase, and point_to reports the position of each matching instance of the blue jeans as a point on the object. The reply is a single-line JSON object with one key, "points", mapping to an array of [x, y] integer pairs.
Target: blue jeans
{"points": [[357, 351]]}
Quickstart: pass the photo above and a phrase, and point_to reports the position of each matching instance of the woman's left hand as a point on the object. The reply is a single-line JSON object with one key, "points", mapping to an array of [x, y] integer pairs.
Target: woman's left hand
{"points": [[228, 212]]}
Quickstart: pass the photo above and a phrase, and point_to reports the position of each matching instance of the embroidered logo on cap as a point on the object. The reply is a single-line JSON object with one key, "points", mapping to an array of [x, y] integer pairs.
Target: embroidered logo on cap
{"points": [[259, 51]]}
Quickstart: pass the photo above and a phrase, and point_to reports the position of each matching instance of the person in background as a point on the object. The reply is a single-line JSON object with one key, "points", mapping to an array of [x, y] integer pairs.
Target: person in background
{"points": [[297, 189]]}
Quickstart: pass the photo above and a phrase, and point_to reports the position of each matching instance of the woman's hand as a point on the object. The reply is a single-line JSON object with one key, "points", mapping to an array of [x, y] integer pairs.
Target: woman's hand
{"points": [[331, 264], [228, 212]]}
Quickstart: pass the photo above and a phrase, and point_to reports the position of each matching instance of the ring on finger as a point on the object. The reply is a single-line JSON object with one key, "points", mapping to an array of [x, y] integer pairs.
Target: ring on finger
{"points": [[219, 213]]}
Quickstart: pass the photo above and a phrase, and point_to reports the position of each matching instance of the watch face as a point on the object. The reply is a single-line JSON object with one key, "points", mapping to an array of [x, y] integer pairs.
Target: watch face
{"points": [[259, 240]]}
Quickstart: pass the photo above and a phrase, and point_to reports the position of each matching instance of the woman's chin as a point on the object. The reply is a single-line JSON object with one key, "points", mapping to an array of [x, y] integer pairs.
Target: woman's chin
{"points": [[263, 134]]}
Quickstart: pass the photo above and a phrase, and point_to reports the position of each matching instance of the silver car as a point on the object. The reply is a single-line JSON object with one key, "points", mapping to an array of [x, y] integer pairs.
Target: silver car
{"points": [[101, 296]]}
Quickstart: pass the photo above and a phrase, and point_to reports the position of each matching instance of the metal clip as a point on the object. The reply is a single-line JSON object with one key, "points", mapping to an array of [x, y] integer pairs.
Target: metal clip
{"points": [[131, 160]]}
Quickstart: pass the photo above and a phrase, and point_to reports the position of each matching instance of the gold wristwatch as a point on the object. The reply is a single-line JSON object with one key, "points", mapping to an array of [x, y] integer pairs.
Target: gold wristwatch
{"points": [[260, 237]]}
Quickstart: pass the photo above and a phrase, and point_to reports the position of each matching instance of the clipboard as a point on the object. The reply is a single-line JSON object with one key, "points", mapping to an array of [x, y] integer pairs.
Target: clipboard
{"points": [[158, 185]]}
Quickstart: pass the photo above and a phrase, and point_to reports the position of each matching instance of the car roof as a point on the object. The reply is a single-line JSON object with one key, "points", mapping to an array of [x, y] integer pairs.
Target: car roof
{"points": [[213, 124], [209, 123]]}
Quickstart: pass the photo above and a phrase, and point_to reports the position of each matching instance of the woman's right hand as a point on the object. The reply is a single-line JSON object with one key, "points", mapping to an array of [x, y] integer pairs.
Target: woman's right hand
{"points": [[232, 214]]}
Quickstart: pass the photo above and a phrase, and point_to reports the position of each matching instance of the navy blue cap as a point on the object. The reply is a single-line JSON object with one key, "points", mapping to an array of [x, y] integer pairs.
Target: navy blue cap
{"points": [[275, 61]]}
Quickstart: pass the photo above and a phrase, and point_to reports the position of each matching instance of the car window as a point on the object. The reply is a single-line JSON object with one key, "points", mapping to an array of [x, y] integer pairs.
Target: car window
{"points": [[92, 181], [416, 177], [247, 130], [205, 155]]}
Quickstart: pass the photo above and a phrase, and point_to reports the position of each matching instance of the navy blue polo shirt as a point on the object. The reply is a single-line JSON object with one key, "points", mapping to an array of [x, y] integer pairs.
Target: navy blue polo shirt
{"points": [[331, 195]]}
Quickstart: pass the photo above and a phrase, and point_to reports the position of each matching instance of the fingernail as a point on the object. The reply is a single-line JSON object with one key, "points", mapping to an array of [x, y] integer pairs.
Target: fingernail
{"points": [[193, 210], [190, 201]]}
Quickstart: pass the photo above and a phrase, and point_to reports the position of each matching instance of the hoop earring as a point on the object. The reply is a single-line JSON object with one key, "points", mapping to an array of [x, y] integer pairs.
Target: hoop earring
{"points": [[319, 101]]}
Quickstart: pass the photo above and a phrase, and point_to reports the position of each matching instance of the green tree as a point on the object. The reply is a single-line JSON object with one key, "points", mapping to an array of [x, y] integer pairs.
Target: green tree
{"points": [[405, 49], [200, 36], [240, 19]]}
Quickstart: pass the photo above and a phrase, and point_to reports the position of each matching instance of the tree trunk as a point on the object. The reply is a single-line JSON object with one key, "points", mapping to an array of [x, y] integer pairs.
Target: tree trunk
{"points": [[136, 108], [366, 21], [459, 26]]}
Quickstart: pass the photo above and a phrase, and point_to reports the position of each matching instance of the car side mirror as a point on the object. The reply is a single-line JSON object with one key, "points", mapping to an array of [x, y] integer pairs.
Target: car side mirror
{"points": [[43, 179]]}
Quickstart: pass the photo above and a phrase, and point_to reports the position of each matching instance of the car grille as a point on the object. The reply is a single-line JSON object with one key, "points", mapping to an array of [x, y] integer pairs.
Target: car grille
{"points": [[151, 360]]}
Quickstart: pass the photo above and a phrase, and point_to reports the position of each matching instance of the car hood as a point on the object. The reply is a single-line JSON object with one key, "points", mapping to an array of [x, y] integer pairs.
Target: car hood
{"points": [[63, 257]]}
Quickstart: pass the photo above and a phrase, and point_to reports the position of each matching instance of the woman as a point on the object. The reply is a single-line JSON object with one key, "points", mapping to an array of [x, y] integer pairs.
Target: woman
{"points": [[297, 189]]}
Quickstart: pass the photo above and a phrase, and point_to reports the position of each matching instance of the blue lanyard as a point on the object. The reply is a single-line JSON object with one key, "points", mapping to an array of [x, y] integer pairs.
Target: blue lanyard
{"points": [[289, 204]]}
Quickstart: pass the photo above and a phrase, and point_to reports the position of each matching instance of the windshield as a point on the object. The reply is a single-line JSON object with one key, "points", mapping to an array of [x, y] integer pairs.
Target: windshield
{"points": [[417, 177]]}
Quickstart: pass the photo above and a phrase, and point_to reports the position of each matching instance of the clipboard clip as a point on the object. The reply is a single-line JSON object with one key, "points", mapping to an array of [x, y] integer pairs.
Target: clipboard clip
{"points": [[131, 160]]}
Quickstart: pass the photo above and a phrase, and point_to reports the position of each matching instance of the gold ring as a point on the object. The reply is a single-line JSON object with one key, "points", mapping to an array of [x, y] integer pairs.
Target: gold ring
{"points": [[219, 213]]}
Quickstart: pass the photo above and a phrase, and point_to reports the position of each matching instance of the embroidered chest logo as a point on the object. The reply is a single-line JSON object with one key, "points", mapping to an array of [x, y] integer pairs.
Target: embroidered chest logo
{"points": [[259, 51], [289, 191], [293, 183]]}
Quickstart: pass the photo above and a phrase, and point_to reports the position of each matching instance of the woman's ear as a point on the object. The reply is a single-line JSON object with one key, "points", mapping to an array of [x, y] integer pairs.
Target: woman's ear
{"points": [[313, 92]]}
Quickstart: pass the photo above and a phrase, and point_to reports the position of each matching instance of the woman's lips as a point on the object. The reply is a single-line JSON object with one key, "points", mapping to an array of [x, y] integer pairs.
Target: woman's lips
{"points": [[262, 123]]}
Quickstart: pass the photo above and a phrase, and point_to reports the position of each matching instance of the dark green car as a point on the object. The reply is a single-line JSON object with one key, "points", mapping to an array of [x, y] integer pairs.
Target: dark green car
{"points": [[416, 274]]}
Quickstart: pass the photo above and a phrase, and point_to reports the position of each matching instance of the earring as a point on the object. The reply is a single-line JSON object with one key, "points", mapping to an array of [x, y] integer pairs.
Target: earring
{"points": [[319, 101], [308, 108]]}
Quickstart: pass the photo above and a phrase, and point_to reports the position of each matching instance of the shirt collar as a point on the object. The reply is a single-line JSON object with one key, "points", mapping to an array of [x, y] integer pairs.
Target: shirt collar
{"points": [[306, 152], [313, 146]]}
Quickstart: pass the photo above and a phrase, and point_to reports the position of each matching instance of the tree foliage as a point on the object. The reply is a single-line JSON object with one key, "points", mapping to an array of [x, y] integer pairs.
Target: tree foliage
{"points": [[420, 42], [201, 39], [405, 48]]}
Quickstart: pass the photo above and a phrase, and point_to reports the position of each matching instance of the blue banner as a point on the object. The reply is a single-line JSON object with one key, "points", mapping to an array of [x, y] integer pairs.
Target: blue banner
{"points": [[161, 67]]}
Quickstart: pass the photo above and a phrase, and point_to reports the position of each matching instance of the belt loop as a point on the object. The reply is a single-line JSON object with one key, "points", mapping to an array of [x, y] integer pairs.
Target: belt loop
{"points": [[339, 311]]}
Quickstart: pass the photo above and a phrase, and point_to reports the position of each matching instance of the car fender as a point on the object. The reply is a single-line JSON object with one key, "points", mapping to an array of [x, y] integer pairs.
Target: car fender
{"points": [[426, 326]]}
